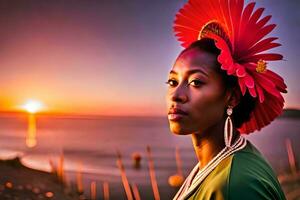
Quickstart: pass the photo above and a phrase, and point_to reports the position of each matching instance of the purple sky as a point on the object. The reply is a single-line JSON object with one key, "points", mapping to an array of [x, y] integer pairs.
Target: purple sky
{"points": [[109, 57]]}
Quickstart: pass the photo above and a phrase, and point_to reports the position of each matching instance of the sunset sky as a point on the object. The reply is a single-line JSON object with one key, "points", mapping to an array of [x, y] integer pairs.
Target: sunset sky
{"points": [[109, 57]]}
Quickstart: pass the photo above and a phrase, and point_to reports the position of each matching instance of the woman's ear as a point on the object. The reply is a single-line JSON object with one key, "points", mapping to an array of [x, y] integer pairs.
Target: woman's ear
{"points": [[233, 97]]}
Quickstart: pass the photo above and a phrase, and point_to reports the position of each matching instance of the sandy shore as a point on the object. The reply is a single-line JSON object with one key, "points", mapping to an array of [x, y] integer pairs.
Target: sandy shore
{"points": [[20, 182]]}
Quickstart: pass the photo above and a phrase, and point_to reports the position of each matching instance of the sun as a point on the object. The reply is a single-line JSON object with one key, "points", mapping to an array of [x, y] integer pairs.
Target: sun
{"points": [[33, 106]]}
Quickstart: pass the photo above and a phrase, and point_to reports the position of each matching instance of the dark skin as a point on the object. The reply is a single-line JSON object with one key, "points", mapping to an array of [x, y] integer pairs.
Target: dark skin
{"points": [[196, 88]]}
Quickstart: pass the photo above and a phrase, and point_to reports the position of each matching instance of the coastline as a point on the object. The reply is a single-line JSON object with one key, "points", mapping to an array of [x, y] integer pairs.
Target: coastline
{"points": [[20, 182]]}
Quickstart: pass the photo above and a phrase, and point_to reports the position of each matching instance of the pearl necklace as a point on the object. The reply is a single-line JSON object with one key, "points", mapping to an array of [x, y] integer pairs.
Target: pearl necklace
{"points": [[190, 185]]}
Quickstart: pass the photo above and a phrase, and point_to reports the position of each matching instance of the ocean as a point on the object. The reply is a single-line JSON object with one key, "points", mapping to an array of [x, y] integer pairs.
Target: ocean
{"points": [[93, 143]]}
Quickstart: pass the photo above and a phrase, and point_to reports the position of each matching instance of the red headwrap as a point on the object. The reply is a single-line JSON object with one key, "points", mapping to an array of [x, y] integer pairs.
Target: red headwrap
{"points": [[240, 35]]}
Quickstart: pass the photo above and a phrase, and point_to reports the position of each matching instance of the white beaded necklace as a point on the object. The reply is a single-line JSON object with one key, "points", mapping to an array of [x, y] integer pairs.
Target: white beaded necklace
{"points": [[190, 185]]}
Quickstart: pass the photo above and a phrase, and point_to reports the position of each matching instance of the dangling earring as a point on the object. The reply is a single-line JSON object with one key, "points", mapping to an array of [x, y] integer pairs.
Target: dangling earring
{"points": [[228, 125]]}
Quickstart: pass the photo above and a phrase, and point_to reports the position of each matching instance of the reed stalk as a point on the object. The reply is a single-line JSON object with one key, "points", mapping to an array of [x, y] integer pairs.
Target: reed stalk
{"points": [[152, 174]]}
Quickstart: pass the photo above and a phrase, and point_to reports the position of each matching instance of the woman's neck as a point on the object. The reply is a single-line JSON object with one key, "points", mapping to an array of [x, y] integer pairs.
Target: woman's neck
{"points": [[209, 144]]}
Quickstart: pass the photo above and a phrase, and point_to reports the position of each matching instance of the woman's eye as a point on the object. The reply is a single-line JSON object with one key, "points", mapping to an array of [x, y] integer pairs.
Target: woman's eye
{"points": [[196, 83], [171, 82]]}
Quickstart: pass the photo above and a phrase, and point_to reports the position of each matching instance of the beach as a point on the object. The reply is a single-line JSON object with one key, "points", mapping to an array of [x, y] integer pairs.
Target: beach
{"points": [[20, 182]]}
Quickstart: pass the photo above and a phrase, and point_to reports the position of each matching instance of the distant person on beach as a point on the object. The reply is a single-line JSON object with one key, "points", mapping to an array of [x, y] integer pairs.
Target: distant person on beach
{"points": [[219, 89]]}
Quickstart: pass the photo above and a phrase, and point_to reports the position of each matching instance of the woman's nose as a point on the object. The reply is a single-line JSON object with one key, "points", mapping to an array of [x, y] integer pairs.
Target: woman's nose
{"points": [[179, 94]]}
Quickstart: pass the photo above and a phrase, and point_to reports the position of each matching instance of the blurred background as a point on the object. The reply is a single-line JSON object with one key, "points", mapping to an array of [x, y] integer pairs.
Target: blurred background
{"points": [[82, 95]]}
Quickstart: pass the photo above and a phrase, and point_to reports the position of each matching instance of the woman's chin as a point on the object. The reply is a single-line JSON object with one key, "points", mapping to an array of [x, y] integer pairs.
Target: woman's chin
{"points": [[177, 129]]}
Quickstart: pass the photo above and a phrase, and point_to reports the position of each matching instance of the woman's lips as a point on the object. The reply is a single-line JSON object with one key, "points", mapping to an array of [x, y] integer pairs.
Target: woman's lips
{"points": [[176, 117], [176, 114]]}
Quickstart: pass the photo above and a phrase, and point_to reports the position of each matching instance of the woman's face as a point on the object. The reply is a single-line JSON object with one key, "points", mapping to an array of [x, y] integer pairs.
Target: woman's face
{"points": [[196, 94]]}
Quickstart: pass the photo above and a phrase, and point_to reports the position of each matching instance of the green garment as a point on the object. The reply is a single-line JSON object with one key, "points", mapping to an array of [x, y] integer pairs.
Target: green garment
{"points": [[244, 175]]}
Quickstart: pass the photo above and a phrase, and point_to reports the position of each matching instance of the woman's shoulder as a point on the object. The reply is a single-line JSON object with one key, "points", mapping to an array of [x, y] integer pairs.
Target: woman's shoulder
{"points": [[246, 175], [250, 163], [252, 177]]}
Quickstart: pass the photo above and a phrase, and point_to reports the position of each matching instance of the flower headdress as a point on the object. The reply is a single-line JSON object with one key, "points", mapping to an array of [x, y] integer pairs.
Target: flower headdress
{"points": [[239, 33]]}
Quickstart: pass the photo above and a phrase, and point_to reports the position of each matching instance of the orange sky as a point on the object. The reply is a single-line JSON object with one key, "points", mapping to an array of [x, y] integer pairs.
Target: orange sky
{"points": [[107, 59]]}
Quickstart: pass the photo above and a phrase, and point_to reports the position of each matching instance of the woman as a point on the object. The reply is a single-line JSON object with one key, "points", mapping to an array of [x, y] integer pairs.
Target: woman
{"points": [[220, 89]]}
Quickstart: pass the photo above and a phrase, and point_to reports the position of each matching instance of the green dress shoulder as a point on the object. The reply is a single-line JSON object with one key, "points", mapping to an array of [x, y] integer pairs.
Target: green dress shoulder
{"points": [[244, 175]]}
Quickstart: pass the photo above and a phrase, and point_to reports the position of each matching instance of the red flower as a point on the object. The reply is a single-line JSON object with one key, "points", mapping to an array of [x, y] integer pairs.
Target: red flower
{"points": [[239, 33]]}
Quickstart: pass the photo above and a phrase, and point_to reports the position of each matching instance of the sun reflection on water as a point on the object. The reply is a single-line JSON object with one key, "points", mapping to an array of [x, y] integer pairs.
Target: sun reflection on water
{"points": [[31, 131]]}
